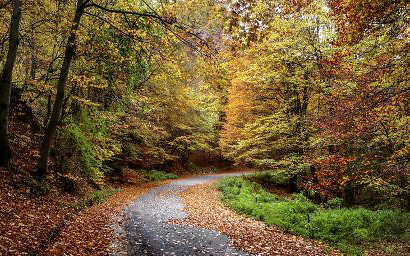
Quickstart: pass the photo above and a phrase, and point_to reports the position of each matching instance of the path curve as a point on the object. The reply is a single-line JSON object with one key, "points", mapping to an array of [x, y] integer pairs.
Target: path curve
{"points": [[148, 232]]}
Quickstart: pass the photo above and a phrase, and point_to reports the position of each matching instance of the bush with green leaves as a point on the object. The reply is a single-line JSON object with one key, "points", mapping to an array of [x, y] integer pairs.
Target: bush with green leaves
{"points": [[160, 175], [336, 202], [96, 197], [273, 177], [87, 140], [79, 145], [344, 228]]}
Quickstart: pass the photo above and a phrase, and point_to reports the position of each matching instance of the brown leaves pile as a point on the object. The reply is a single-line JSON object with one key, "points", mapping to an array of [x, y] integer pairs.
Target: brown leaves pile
{"points": [[48, 225], [206, 210], [91, 232], [27, 222]]}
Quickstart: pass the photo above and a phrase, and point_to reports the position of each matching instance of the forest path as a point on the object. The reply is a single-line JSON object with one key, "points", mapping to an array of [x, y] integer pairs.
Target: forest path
{"points": [[148, 232]]}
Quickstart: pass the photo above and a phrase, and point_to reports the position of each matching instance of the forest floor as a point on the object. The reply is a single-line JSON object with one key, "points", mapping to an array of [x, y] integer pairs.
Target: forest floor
{"points": [[50, 224], [186, 214], [205, 208], [187, 217], [192, 210]]}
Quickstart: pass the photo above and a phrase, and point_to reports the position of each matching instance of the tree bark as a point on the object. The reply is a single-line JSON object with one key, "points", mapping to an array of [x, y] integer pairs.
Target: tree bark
{"points": [[42, 165], [5, 84]]}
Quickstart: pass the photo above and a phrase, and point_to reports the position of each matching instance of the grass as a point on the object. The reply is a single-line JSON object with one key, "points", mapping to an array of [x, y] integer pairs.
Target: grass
{"points": [[160, 175], [344, 228]]}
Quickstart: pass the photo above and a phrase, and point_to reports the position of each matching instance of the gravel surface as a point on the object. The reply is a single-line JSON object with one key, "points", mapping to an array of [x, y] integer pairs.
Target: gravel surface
{"points": [[149, 233]]}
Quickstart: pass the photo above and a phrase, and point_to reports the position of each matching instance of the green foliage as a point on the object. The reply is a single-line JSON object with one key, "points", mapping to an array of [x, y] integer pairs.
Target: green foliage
{"points": [[88, 141], [293, 215], [94, 197], [335, 202], [345, 228], [291, 166], [79, 144], [244, 196], [358, 225], [272, 177], [160, 175], [99, 196]]}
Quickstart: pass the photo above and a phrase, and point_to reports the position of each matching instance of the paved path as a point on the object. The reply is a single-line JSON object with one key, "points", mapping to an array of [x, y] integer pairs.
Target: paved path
{"points": [[148, 232]]}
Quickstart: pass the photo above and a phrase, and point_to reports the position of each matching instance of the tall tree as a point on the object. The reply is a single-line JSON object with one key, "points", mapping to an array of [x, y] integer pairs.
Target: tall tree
{"points": [[97, 11], [5, 83], [275, 91], [58, 104]]}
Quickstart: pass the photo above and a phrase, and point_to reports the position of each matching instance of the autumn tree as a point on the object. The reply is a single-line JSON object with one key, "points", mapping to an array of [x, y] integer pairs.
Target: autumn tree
{"points": [[87, 7], [367, 104], [357, 19], [276, 91], [6, 80]]}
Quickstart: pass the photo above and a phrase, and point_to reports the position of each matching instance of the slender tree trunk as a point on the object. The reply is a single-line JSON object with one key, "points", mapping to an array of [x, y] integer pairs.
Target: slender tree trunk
{"points": [[49, 105], [5, 84], [42, 165]]}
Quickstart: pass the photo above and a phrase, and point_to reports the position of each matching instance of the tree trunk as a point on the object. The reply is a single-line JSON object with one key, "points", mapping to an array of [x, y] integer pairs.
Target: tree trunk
{"points": [[42, 165], [5, 84]]}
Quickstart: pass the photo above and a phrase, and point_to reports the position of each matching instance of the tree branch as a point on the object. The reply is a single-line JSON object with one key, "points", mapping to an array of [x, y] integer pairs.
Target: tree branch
{"points": [[115, 27], [143, 14]]}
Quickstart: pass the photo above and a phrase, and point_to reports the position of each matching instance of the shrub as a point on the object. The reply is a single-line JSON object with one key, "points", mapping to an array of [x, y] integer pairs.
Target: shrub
{"points": [[87, 143], [160, 175], [346, 228], [335, 202], [79, 145], [273, 177], [95, 197], [99, 196]]}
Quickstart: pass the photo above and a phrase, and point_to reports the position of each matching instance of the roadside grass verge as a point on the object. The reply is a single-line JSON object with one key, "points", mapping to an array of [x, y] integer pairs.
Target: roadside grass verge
{"points": [[351, 230]]}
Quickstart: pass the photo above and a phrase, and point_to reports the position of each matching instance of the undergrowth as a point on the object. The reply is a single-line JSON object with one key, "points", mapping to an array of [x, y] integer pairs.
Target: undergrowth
{"points": [[277, 178], [38, 188], [344, 228], [93, 198], [87, 144], [160, 175]]}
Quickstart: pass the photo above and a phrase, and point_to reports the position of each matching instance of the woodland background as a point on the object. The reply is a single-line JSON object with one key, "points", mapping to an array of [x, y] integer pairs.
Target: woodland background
{"points": [[96, 92]]}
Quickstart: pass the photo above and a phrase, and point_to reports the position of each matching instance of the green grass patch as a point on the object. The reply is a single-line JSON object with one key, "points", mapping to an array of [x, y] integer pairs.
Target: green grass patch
{"points": [[160, 175], [344, 228]]}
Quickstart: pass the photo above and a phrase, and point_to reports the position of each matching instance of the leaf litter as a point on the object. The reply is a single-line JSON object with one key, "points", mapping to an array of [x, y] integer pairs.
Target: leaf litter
{"points": [[205, 209]]}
